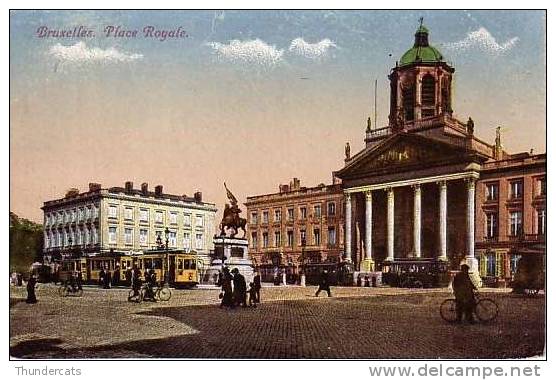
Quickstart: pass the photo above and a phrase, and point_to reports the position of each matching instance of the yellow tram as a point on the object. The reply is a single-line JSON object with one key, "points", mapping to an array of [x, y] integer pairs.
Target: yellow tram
{"points": [[185, 268]]}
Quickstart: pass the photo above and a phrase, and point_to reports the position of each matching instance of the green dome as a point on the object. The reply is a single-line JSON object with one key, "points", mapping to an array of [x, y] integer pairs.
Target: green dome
{"points": [[421, 52]]}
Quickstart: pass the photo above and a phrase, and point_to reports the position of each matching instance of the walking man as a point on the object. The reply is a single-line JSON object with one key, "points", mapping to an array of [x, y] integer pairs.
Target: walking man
{"points": [[324, 284], [240, 288], [257, 287]]}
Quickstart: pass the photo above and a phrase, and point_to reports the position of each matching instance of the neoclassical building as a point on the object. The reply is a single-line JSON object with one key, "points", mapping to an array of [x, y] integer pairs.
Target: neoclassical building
{"points": [[413, 188], [126, 220]]}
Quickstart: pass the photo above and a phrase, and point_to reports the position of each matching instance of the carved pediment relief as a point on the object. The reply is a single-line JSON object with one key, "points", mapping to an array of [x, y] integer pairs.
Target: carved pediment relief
{"points": [[402, 153]]}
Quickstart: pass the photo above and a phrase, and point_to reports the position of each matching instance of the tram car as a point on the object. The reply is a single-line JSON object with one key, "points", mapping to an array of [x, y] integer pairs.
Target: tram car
{"points": [[415, 273], [185, 268]]}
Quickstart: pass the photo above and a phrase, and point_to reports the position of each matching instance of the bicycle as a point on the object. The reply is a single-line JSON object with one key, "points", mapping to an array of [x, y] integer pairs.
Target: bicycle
{"points": [[66, 290], [160, 293], [485, 309]]}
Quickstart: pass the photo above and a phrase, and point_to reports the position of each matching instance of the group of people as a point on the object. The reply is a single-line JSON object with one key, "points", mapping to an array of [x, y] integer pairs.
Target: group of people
{"points": [[137, 282], [236, 295], [108, 279]]}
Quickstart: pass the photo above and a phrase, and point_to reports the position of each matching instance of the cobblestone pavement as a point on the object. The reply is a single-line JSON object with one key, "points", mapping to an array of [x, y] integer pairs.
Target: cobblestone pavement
{"points": [[291, 323]]}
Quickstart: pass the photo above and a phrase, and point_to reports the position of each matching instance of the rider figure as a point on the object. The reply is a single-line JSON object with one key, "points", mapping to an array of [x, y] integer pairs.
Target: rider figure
{"points": [[136, 280], [72, 282], [464, 293], [150, 278]]}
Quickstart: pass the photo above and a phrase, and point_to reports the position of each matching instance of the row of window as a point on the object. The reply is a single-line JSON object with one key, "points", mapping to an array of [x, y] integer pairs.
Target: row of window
{"points": [[489, 265], [159, 215], [290, 238], [54, 239], [515, 189], [144, 238], [317, 213], [74, 215], [515, 223]]}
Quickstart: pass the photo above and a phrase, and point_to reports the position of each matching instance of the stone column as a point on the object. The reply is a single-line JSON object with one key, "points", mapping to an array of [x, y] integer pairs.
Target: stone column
{"points": [[368, 265], [390, 224], [347, 240], [471, 221], [442, 219], [418, 102], [417, 220]]}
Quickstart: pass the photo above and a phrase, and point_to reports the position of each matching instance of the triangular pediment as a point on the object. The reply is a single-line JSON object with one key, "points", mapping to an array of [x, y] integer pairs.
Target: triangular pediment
{"points": [[404, 151]]}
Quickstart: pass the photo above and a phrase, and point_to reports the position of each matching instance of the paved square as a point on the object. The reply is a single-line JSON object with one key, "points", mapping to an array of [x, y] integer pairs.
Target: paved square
{"points": [[364, 323]]}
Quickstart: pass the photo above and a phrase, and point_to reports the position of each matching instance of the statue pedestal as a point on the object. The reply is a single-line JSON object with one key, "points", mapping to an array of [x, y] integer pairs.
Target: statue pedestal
{"points": [[232, 253]]}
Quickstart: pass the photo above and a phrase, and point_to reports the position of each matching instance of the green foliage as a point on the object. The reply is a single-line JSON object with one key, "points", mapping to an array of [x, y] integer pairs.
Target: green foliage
{"points": [[26, 243]]}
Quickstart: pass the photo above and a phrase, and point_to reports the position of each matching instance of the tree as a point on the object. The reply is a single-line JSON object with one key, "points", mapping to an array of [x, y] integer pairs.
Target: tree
{"points": [[26, 243]]}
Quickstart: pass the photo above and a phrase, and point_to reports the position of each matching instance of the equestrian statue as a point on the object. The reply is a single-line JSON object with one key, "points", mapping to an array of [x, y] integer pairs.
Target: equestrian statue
{"points": [[231, 219]]}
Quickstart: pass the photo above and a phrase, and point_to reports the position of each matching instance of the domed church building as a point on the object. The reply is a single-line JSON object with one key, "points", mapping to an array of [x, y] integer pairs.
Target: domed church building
{"points": [[426, 190]]}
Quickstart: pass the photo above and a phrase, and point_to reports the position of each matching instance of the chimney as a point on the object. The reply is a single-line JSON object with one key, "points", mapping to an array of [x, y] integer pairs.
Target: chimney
{"points": [[94, 186], [198, 196], [296, 184], [145, 188], [284, 188], [158, 190], [128, 187]]}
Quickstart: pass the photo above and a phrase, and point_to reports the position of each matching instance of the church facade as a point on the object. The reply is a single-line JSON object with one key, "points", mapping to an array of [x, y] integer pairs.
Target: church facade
{"points": [[426, 188]]}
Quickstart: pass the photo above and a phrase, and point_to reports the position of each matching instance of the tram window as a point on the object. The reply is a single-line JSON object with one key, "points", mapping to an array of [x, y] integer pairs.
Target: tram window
{"points": [[157, 263], [148, 263], [140, 263], [180, 264], [193, 264]]}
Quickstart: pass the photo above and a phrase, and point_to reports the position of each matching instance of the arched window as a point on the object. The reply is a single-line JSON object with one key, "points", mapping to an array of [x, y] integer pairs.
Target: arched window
{"points": [[428, 97], [427, 90], [408, 96]]}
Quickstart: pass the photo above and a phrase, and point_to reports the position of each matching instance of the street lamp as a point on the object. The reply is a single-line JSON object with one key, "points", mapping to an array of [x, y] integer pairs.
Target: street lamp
{"points": [[167, 272], [302, 277]]}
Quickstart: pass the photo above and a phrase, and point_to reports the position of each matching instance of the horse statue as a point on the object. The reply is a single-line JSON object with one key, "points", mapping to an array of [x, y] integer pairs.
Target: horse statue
{"points": [[231, 218]]}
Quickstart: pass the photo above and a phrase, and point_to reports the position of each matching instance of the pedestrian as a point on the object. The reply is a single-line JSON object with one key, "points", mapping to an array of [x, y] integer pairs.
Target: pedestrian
{"points": [[465, 296], [257, 284], [79, 280], [252, 295], [135, 280], [240, 289], [324, 284], [116, 277], [227, 294], [31, 297], [19, 279], [107, 279], [101, 277]]}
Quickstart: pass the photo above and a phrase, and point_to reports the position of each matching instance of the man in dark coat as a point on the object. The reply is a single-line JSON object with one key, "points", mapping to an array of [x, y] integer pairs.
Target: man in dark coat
{"points": [[464, 293], [227, 296], [31, 297], [257, 287], [107, 279], [240, 288], [101, 277], [324, 284], [116, 277], [135, 280]]}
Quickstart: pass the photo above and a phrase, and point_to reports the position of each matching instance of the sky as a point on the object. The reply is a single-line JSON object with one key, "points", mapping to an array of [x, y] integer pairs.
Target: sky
{"points": [[250, 98]]}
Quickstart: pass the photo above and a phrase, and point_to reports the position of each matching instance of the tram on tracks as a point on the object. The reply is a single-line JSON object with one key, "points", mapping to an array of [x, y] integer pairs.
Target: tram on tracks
{"points": [[185, 268]]}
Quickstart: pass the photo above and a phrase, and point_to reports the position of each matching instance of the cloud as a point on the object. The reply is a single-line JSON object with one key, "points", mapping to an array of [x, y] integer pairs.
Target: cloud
{"points": [[482, 39], [252, 52], [80, 53], [305, 49]]}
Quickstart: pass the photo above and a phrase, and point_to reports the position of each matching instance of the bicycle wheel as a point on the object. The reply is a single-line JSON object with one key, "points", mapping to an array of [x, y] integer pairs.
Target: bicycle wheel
{"points": [[66, 291], [164, 294], [130, 296], [448, 310], [62, 290], [486, 310]]}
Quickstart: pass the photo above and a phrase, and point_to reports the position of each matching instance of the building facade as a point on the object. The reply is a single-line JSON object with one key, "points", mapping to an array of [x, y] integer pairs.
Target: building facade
{"points": [[126, 220], [510, 214], [295, 227]]}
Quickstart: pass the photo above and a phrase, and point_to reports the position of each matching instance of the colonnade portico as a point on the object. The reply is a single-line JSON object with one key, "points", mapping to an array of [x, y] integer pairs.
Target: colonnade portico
{"points": [[367, 263]]}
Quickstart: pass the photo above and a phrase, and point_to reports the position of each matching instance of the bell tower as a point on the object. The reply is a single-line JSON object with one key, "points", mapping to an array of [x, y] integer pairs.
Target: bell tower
{"points": [[420, 84]]}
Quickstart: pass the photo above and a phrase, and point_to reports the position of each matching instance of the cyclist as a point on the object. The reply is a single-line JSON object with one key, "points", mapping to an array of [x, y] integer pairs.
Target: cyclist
{"points": [[72, 282], [135, 280], [464, 293], [150, 278]]}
